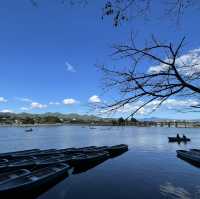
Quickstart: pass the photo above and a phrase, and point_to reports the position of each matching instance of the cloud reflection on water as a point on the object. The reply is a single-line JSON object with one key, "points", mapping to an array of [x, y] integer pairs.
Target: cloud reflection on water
{"points": [[168, 190]]}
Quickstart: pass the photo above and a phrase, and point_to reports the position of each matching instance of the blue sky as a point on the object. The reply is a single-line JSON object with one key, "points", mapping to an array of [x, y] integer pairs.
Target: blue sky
{"points": [[48, 54]]}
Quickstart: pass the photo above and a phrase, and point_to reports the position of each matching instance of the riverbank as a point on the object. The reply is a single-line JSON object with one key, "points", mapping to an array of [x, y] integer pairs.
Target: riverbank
{"points": [[92, 126]]}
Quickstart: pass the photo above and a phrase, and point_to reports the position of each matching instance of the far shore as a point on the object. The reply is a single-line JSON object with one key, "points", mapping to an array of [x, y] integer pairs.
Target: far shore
{"points": [[93, 125]]}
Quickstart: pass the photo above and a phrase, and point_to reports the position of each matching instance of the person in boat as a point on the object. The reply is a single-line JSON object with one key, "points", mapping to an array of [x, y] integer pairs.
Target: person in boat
{"points": [[177, 136], [184, 137]]}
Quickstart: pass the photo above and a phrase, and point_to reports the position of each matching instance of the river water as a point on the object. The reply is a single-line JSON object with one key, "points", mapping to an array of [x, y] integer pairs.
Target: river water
{"points": [[150, 169]]}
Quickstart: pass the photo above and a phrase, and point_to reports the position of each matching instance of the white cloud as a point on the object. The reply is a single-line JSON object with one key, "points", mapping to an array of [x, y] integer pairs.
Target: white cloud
{"points": [[2, 99], [168, 190], [158, 69], [36, 105], [69, 101], [192, 59], [25, 108], [7, 111], [181, 103], [24, 99], [94, 99], [70, 68], [54, 103], [170, 104]]}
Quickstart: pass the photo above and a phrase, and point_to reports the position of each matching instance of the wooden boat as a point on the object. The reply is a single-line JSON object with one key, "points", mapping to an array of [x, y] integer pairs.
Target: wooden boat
{"points": [[46, 157], [84, 160], [78, 150], [195, 150], [3, 161], [20, 165], [117, 149], [189, 155], [51, 161], [35, 179], [17, 164], [5, 177], [175, 139], [94, 149], [37, 153], [25, 152]]}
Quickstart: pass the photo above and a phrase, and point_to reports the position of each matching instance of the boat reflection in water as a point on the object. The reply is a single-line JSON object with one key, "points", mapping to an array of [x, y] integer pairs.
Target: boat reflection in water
{"points": [[88, 166]]}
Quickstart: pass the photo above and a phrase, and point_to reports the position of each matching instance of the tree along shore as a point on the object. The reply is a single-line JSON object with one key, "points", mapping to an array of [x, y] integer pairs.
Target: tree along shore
{"points": [[34, 121]]}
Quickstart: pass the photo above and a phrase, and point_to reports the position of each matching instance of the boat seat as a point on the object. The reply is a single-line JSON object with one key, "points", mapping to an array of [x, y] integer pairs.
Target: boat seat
{"points": [[55, 169], [34, 178], [12, 176]]}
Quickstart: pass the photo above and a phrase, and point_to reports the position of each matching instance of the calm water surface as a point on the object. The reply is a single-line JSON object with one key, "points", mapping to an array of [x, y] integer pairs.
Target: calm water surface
{"points": [[150, 169]]}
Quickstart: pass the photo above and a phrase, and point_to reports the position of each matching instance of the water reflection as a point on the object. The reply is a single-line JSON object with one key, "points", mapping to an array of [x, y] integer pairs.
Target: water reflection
{"points": [[150, 162], [168, 190], [82, 169]]}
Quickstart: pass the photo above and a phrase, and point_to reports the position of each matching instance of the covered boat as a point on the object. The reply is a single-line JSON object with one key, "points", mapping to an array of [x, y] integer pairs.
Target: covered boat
{"points": [[35, 179]]}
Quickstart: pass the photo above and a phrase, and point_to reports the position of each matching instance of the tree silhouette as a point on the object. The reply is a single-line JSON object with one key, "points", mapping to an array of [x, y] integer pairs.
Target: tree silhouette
{"points": [[171, 76], [124, 10]]}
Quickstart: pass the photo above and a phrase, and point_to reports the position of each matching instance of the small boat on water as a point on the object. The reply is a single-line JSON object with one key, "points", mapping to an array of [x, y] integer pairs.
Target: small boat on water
{"points": [[29, 130], [5, 177], [91, 127], [189, 155], [84, 160], [35, 179], [175, 139]]}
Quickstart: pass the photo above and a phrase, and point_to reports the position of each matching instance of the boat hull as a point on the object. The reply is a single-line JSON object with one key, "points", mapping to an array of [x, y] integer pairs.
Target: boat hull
{"points": [[35, 184], [188, 155], [82, 161], [174, 139]]}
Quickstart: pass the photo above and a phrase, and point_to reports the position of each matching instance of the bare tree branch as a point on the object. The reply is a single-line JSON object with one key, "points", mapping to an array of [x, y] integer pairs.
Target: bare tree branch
{"points": [[171, 79]]}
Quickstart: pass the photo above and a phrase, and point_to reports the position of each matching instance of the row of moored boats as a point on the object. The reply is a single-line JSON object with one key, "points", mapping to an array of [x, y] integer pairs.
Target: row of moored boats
{"points": [[29, 169]]}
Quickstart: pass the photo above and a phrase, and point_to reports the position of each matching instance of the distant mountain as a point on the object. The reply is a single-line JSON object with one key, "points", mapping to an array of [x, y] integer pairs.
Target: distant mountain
{"points": [[69, 116]]}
